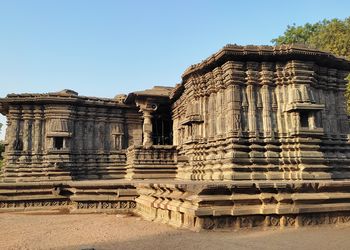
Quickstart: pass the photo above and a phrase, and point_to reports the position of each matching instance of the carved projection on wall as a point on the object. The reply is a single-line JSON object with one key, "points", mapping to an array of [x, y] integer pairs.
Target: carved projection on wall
{"points": [[117, 132]]}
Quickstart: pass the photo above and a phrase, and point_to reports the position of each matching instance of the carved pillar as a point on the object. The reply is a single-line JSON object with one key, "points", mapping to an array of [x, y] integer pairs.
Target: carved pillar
{"points": [[251, 110], [274, 107], [343, 119], [201, 113], [245, 119], [27, 128], [79, 135], [13, 129], [90, 133], [237, 110], [100, 135], [266, 79], [234, 78], [147, 127], [252, 79], [212, 114], [205, 117], [266, 110], [218, 114], [229, 112], [37, 138]]}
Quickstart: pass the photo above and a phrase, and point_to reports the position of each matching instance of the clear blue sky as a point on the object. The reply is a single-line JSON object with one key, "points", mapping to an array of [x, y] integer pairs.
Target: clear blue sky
{"points": [[102, 48]]}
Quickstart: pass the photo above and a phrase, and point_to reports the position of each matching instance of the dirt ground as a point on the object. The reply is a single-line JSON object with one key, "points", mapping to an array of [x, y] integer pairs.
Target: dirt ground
{"points": [[101, 231]]}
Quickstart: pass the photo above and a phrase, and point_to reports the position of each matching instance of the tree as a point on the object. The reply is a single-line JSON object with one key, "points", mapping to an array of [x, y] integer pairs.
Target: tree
{"points": [[328, 35]]}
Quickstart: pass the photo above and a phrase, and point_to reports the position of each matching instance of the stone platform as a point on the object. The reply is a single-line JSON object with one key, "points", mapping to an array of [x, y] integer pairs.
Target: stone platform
{"points": [[69, 196], [204, 205]]}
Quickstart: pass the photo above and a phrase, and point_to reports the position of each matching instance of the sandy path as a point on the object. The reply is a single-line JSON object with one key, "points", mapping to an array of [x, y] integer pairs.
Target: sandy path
{"points": [[99, 231]]}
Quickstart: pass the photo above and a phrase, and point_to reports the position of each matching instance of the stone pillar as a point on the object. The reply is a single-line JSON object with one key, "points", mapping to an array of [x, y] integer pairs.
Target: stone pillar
{"points": [[237, 110], [266, 111], [252, 79], [251, 111], [37, 138], [218, 114], [27, 128], [79, 135], [90, 133], [244, 119], [147, 127], [229, 111], [13, 129]]}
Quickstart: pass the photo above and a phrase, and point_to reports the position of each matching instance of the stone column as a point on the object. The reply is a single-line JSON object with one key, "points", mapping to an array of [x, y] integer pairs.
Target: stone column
{"points": [[79, 132], [266, 111], [217, 113], [229, 111], [252, 78], [37, 138], [237, 110], [13, 128], [251, 111], [147, 127], [27, 128]]}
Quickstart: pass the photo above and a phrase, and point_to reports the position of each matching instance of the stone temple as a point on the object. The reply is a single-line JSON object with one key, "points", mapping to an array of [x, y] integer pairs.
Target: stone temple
{"points": [[253, 136]]}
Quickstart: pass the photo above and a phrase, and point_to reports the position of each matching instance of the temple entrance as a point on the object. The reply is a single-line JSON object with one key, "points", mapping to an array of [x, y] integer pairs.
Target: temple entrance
{"points": [[155, 106], [162, 126]]}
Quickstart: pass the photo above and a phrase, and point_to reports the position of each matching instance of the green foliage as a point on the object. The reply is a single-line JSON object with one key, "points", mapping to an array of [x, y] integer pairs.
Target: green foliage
{"points": [[328, 35], [299, 34]]}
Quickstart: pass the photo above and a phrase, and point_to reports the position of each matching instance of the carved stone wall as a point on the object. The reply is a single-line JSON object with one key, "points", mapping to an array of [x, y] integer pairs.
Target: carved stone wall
{"points": [[62, 137], [250, 113], [153, 162]]}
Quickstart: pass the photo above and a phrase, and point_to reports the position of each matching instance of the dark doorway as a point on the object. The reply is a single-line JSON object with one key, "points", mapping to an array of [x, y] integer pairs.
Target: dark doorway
{"points": [[58, 142], [162, 126], [304, 119]]}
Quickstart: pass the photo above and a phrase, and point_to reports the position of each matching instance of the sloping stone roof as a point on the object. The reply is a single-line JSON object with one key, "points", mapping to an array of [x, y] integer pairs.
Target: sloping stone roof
{"points": [[266, 53], [156, 91], [65, 96]]}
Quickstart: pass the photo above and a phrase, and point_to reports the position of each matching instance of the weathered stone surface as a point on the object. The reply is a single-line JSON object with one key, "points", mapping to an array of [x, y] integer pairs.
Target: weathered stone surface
{"points": [[262, 113], [240, 204], [153, 162], [253, 136], [70, 196]]}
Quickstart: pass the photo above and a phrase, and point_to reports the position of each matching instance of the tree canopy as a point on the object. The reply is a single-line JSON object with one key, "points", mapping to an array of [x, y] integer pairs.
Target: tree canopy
{"points": [[329, 35]]}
